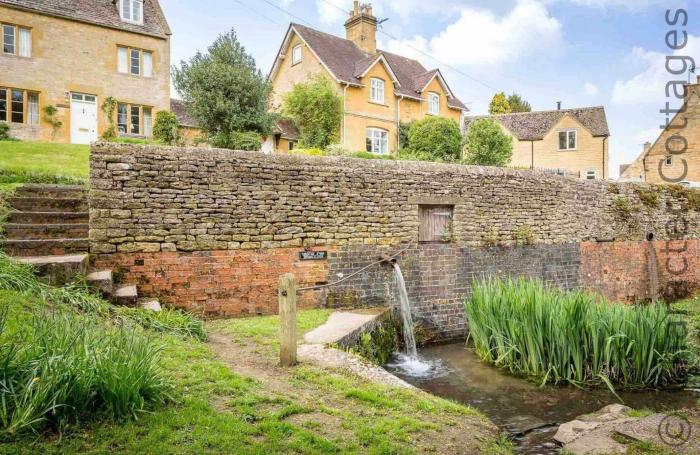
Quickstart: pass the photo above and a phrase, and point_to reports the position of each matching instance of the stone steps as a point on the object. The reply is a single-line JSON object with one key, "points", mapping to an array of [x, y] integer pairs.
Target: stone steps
{"points": [[47, 204], [48, 217], [44, 247], [18, 231], [51, 191], [59, 270]]}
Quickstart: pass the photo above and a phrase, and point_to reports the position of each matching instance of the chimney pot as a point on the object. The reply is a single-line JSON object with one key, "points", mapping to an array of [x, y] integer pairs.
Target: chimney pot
{"points": [[558, 105]]}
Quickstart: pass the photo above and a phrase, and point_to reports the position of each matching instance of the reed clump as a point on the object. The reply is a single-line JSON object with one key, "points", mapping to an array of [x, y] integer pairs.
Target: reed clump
{"points": [[560, 337]]}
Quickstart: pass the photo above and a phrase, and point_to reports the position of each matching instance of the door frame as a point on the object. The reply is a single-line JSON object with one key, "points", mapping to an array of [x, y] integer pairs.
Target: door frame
{"points": [[83, 101]]}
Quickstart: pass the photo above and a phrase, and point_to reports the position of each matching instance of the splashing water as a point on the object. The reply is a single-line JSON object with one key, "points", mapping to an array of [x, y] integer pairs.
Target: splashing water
{"points": [[409, 362]]}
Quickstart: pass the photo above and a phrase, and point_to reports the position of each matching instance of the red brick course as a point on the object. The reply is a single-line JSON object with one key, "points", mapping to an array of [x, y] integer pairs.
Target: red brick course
{"points": [[223, 283]]}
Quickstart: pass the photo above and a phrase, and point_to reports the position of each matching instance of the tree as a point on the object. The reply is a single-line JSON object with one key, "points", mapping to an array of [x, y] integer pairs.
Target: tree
{"points": [[487, 145], [317, 111], [499, 104], [436, 138], [165, 128], [223, 90], [518, 104]]}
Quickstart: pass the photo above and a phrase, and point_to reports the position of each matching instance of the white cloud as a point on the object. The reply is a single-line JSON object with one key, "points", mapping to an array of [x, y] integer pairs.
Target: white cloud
{"points": [[591, 89], [648, 87], [329, 12], [336, 11], [480, 37], [634, 5]]}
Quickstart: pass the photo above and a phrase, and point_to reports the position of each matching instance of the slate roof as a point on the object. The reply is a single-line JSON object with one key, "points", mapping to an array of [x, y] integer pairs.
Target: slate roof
{"points": [[347, 62], [533, 126], [287, 129], [183, 118], [98, 12]]}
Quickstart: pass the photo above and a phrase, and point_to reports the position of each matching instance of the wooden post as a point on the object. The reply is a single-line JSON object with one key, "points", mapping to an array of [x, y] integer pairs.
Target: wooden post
{"points": [[288, 320]]}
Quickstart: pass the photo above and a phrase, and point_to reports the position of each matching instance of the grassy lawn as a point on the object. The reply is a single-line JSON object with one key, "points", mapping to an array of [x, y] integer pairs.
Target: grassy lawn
{"points": [[229, 396], [22, 162]]}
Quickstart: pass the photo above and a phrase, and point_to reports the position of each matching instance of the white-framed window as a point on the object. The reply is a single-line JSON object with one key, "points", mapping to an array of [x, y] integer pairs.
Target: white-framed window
{"points": [[122, 59], [33, 108], [591, 174], [568, 140], [131, 11], [19, 106], [296, 54], [134, 119], [25, 42], [135, 62], [147, 58], [376, 92], [433, 103], [377, 141], [147, 122], [9, 42], [669, 160]]}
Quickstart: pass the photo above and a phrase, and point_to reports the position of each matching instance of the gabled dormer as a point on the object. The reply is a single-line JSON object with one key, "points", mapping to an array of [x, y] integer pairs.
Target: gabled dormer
{"points": [[131, 11]]}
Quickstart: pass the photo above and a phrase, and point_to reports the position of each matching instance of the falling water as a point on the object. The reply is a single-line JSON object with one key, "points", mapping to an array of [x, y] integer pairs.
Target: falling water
{"points": [[409, 362], [409, 338]]}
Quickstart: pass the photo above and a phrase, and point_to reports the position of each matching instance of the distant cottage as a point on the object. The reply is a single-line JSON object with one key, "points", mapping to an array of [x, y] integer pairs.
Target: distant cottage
{"points": [[380, 90], [72, 54], [569, 141]]}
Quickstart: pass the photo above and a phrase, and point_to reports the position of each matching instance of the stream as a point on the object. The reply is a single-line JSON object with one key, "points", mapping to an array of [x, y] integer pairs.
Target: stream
{"points": [[528, 413]]}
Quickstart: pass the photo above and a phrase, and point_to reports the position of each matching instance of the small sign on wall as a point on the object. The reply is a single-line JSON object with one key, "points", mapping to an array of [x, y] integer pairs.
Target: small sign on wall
{"points": [[313, 255]]}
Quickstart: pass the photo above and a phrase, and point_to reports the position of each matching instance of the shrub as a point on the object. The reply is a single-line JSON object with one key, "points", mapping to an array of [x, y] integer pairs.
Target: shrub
{"points": [[61, 368], [8, 175], [372, 156], [338, 150], [436, 137], [249, 141], [499, 104], [4, 131], [109, 107], [623, 208], [404, 128], [171, 321], [574, 337], [487, 145], [165, 128], [650, 197], [308, 152], [317, 111]]}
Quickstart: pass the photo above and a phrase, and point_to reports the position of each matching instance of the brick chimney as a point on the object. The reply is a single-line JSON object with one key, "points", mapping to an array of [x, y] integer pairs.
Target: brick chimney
{"points": [[361, 28]]}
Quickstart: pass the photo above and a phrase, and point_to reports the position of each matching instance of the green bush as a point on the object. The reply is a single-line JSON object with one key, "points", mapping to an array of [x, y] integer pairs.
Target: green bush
{"points": [[317, 110], [249, 141], [436, 137], [4, 131], [165, 128], [574, 337], [308, 152], [25, 176], [486, 144], [372, 156], [171, 321], [338, 150], [61, 368], [404, 128]]}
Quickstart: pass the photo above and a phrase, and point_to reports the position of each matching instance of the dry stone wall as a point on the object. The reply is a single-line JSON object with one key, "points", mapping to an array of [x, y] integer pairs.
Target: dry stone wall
{"points": [[212, 230]]}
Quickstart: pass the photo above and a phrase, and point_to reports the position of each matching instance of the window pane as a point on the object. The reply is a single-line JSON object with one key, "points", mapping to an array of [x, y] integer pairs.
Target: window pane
{"points": [[33, 108], [25, 42], [3, 105], [122, 119], [135, 120], [138, 8], [572, 140], [122, 60], [368, 143], [147, 122], [17, 106], [562, 140], [135, 62], [296, 55], [8, 39], [126, 9], [147, 64]]}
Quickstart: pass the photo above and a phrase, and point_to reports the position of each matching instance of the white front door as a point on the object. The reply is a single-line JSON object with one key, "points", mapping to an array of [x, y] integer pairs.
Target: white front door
{"points": [[83, 118]]}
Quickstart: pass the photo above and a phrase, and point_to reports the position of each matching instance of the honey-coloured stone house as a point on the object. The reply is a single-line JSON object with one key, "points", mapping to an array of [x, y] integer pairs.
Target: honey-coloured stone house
{"points": [[72, 54], [380, 90]]}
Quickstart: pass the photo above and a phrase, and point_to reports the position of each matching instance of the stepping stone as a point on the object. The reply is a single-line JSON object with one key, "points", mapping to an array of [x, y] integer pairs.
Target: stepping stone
{"points": [[58, 270], [150, 305], [662, 430], [102, 281], [38, 217], [45, 247], [126, 296], [39, 231], [47, 204], [48, 190]]}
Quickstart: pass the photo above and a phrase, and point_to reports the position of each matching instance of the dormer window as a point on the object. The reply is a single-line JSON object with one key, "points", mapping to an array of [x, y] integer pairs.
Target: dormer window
{"points": [[296, 54], [433, 103], [376, 91], [131, 11]]}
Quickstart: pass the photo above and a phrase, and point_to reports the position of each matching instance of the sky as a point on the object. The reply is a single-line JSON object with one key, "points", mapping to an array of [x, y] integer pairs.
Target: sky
{"points": [[610, 53]]}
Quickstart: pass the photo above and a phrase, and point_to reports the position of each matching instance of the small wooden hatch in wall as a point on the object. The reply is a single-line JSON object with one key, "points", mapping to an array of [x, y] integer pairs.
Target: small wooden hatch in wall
{"points": [[435, 223]]}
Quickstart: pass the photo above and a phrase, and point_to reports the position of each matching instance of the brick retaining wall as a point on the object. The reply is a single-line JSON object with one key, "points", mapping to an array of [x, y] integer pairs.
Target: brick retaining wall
{"points": [[212, 230]]}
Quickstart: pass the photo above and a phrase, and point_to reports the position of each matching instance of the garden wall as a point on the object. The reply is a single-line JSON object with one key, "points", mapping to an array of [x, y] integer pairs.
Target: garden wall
{"points": [[212, 230]]}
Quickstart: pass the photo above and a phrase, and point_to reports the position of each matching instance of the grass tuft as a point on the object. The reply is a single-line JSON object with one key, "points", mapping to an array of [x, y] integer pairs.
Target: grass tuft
{"points": [[168, 320], [573, 337]]}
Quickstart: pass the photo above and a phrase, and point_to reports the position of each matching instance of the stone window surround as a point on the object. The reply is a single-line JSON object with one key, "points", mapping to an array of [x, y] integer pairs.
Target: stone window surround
{"points": [[297, 55], [25, 105], [433, 103], [376, 89], [141, 52], [567, 131], [17, 45], [128, 125]]}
